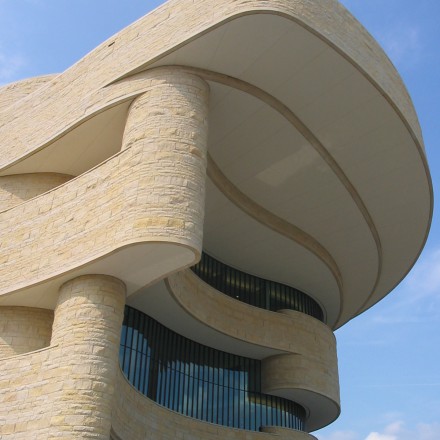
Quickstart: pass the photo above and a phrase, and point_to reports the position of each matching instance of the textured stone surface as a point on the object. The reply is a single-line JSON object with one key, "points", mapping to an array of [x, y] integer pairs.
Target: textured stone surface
{"points": [[18, 188], [65, 390], [168, 125], [29, 126], [149, 421], [28, 385], [12, 93], [292, 332], [87, 328], [152, 191], [24, 329], [149, 192]]}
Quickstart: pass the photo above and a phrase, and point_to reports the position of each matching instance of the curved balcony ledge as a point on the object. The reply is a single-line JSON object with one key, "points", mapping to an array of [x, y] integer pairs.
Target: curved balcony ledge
{"points": [[307, 375], [312, 383], [18, 188], [150, 420], [293, 333], [103, 221]]}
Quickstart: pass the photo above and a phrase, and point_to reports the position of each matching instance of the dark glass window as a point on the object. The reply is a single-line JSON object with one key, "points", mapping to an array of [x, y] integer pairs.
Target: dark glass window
{"points": [[199, 381], [253, 290]]}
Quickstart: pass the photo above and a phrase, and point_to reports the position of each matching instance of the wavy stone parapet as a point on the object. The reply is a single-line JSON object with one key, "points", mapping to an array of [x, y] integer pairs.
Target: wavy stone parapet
{"points": [[24, 329], [149, 192], [310, 375], [17, 188], [14, 92], [149, 421], [32, 123], [293, 333]]}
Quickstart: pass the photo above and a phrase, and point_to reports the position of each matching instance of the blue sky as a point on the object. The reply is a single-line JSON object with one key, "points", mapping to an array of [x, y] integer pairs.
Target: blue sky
{"points": [[389, 357]]}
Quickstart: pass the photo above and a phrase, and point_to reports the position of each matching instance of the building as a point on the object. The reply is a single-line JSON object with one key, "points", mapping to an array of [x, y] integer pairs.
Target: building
{"points": [[224, 182]]}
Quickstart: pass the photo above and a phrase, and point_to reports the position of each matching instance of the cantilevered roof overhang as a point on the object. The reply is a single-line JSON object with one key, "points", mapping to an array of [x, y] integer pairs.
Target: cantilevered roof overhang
{"points": [[317, 176]]}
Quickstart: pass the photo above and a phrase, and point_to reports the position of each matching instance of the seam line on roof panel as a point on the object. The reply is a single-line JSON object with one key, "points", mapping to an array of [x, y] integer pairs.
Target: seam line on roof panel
{"points": [[315, 143], [272, 221]]}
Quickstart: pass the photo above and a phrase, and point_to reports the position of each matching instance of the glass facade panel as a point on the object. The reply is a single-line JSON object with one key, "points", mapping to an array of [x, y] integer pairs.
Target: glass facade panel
{"points": [[253, 290], [199, 381]]}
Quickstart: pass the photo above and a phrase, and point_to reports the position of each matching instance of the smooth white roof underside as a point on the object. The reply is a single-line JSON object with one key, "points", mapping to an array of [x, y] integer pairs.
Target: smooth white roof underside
{"points": [[269, 159]]}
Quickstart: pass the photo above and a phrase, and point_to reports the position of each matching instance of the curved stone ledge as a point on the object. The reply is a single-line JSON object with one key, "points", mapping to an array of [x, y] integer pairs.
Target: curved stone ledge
{"points": [[17, 188], [282, 431], [296, 333], [307, 375], [85, 220], [149, 420], [14, 92], [176, 23], [149, 193], [311, 382], [24, 329]]}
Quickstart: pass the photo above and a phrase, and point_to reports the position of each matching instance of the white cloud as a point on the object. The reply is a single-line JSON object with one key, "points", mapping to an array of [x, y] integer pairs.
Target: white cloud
{"points": [[398, 431], [377, 436], [391, 432]]}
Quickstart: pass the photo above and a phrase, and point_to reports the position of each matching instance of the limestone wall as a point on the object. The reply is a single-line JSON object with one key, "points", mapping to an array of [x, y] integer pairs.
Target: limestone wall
{"points": [[12, 93], [66, 390], [143, 194], [28, 385], [28, 125], [24, 329], [17, 188]]}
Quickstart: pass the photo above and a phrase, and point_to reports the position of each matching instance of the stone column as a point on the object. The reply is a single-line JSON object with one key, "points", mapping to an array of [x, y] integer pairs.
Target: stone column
{"points": [[87, 328], [168, 124]]}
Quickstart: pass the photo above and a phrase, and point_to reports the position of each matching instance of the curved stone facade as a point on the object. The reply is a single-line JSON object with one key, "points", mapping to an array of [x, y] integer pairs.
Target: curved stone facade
{"points": [[311, 365], [111, 185], [67, 389], [87, 326], [24, 329], [168, 125], [12, 93], [17, 188], [339, 28]]}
